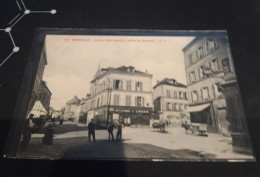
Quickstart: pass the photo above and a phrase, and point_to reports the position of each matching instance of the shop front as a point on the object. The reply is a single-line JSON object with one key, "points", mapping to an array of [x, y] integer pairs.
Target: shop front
{"points": [[130, 116], [203, 114]]}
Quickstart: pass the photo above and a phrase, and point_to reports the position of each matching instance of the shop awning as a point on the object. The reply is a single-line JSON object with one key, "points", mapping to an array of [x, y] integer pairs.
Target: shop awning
{"points": [[197, 108]]}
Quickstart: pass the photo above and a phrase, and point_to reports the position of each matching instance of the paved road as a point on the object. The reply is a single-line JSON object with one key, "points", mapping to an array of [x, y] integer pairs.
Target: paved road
{"points": [[80, 148]]}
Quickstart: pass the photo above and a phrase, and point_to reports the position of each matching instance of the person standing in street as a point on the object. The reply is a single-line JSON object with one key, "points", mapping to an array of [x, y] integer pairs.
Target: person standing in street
{"points": [[91, 130], [110, 131], [119, 133], [27, 131]]}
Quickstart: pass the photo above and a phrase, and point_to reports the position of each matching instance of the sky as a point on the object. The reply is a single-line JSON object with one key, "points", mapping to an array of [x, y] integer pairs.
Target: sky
{"points": [[73, 60]]}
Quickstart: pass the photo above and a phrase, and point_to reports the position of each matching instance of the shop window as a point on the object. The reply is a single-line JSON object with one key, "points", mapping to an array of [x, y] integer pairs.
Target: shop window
{"points": [[138, 86]]}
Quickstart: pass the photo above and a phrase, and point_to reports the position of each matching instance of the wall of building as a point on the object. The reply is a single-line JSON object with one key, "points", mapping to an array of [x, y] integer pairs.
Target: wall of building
{"points": [[206, 67], [100, 94], [70, 111], [210, 59]]}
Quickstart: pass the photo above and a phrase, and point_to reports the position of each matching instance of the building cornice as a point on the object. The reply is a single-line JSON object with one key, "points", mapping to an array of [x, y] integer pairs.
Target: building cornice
{"points": [[121, 72]]}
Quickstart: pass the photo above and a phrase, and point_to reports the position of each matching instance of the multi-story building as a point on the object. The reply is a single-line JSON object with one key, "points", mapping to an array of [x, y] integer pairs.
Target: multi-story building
{"points": [[71, 108], [207, 61], [82, 109], [121, 94], [38, 80], [170, 100], [45, 96], [42, 101]]}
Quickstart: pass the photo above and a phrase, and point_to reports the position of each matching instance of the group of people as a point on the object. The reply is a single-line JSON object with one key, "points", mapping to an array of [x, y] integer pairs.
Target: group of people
{"points": [[110, 129]]}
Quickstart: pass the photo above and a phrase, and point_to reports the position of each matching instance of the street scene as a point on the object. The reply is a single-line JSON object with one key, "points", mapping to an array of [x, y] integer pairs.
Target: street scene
{"points": [[145, 143], [130, 101]]}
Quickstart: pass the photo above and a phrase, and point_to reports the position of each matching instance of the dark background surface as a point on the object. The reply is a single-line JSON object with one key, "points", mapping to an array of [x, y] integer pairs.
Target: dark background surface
{"points": [[240, 18]]}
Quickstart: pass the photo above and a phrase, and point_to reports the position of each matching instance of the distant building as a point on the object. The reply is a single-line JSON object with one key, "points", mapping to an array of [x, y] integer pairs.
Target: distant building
{"points": [[170, 100], [207, 61], [121, 94], [71, 108], [82, 109]]}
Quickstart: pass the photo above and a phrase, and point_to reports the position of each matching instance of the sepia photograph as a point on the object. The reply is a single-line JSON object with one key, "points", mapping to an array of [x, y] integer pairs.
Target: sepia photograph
{"points": [[138, 95]]}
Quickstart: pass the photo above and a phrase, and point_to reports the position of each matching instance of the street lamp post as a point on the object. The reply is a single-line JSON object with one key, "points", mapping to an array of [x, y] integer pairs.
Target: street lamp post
{"points": [[109, 91]]}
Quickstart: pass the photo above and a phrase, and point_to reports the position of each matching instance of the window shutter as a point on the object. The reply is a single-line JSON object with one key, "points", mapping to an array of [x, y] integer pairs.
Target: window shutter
{"points": [[143, 101], [135, 101], [141, 86], [121, 85], [114, 84]]}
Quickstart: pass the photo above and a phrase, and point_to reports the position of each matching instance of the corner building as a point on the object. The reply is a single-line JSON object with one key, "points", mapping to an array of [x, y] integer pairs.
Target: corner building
{"points": [[170, 100], [121, 95], [207, 60]]}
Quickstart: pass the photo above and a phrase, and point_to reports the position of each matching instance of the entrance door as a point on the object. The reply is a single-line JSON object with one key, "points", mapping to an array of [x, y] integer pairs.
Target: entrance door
{"points": [[223, 122]]}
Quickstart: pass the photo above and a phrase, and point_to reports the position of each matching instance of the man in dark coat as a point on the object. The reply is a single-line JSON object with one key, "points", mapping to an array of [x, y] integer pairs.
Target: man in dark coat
{"points": [[91, 130], [110, 131], [119, 133]]}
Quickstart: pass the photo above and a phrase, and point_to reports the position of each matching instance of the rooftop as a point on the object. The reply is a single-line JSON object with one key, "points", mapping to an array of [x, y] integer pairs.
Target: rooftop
{"points": [[169, 81], [122, 69]]}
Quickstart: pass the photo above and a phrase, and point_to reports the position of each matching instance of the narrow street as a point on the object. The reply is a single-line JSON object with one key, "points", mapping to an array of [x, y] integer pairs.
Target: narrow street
{"points": [[142, 143]]}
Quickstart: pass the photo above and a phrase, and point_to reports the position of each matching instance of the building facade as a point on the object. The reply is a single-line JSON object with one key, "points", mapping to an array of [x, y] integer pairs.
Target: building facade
{"points": [[45, 96], [121, 94], [38, 81], [207, 61], [71, 108], [170, 100]]}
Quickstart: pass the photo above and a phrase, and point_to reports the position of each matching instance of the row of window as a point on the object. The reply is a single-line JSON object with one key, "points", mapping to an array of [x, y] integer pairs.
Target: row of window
{"points": [[139, 101], [209, 46], [203, 94], [177, 94], [117, 85], [208, 69], [176, 106]]}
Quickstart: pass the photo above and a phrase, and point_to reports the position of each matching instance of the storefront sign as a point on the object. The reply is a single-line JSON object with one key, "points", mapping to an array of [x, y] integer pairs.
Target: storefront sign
{"points": [[130, 111]]}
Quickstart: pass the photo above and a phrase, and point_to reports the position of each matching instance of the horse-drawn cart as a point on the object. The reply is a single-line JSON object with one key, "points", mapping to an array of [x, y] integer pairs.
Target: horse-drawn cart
{"points": [[195, 128]]}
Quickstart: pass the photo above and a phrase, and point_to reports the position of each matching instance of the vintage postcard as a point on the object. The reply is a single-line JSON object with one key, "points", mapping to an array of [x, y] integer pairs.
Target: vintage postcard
{"points": [[131, 95]]}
